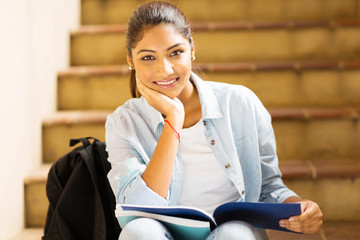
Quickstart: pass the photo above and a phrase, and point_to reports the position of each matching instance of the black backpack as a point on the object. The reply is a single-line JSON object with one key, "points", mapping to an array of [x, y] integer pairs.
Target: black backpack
{"points": [[82, 204]]}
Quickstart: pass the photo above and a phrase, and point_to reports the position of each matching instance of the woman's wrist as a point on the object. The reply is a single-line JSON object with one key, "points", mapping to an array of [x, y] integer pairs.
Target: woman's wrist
{"points": [[176, 118], [174, 130], [293, 199], [176, 121]]}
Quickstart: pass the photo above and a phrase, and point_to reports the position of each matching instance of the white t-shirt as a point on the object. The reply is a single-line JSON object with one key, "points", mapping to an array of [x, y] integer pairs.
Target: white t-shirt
{"points": [[205, 184]]}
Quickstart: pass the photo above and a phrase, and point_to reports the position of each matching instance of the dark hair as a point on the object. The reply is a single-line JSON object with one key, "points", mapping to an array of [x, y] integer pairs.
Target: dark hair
{"points": [[148, 15]]}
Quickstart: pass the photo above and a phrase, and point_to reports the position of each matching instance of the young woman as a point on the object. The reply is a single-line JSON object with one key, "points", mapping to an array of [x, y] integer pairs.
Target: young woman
{"points": [[189, 142]]}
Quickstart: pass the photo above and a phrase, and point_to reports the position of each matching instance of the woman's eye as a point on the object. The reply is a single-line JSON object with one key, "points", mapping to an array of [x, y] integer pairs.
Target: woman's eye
{"points": [[147, 58], [177, 52]]}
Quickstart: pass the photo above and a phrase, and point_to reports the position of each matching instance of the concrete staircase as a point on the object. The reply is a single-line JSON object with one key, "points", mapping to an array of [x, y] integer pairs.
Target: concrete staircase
{"points": [[301, 57]]}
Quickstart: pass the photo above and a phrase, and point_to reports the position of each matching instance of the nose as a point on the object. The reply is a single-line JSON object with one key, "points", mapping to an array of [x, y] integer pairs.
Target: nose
{"points": [[165, 68]]}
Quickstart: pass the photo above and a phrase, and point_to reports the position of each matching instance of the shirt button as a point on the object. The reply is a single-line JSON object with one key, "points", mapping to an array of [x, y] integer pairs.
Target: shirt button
{"points": [[227, 165], [243, 192], [204, 123], [212, 142]]}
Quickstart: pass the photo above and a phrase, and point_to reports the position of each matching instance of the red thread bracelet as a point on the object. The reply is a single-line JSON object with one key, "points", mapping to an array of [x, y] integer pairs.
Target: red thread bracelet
{"points": [[178, 134]]}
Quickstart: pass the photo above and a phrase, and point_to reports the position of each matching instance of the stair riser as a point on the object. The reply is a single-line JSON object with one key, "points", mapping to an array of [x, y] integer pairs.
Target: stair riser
{"points": [[321, 191], [296, 139], [317, 139], [274, 88], [227, 46], [93, 92], [324, 193], [113, 12], [36, 204], [56, 138]]}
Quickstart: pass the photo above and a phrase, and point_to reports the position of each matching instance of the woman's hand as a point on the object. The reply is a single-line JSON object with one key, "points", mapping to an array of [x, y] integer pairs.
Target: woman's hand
{"points": [[171, 108], [309, 221]]}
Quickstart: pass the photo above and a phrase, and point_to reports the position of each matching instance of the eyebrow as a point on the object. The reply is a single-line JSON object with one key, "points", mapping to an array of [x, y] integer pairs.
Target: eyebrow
{"points": [[148, 50]]}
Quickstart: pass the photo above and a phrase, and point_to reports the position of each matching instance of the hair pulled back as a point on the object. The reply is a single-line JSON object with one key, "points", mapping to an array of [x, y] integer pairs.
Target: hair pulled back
{"points": [[149, 15]]}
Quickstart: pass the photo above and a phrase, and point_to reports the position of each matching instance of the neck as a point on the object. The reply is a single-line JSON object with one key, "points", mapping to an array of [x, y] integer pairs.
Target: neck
{"points": [[192, 107]]}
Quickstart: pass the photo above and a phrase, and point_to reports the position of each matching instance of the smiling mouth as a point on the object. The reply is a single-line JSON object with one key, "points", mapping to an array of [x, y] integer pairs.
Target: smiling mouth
{"points": [[167, 83]]}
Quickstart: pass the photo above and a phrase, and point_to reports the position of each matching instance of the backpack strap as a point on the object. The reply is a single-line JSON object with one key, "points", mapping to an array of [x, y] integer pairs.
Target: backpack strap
{"points": [[84, 141], [88, 156], [106, 193]]}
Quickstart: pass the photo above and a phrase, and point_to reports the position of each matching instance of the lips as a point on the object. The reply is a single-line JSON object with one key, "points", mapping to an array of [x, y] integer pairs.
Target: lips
{"points": [[167, 83]]}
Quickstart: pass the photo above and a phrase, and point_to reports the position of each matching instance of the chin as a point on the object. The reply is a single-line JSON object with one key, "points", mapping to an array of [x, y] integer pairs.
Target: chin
{"points": [[170, 95]]}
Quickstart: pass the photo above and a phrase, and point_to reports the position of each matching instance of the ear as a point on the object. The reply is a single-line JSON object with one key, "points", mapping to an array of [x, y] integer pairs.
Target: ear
{"points": [[192, 49], [129, 60]]}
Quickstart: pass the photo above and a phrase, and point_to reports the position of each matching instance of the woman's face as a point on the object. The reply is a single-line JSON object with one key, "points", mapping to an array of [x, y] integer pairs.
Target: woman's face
{"points": [[162, 60]]}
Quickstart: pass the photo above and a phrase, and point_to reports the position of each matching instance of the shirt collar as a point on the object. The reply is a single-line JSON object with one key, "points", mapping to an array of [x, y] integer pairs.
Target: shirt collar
{"points": [[210, 108]]}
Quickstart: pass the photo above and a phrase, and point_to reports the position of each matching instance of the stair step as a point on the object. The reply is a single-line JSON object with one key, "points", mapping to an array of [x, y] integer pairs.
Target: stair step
{"points": [[316, 180], [29, 234], [284, 84], [62, 126], [329, 231], [310, 133], [319, 169], [321, 179], [232, 42], [317, 133], [91, 88], [114, 12]]}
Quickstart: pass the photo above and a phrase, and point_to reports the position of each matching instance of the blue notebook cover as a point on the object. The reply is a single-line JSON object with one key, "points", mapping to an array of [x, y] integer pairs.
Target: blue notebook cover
{"points": [[261, 215]]}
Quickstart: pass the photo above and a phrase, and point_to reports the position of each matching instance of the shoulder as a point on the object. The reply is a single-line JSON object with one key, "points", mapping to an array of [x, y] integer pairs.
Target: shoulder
{"points": [[129, 112], [239, 102], [135, 114], [239, 94], [221, 90], [129, 107]]}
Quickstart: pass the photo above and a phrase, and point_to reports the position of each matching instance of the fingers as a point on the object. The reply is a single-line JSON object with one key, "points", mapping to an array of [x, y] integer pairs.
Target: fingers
{"points": [[309, 210], [310, 226], [141, 87], [144, 89], [309, 221], [147, 92]]}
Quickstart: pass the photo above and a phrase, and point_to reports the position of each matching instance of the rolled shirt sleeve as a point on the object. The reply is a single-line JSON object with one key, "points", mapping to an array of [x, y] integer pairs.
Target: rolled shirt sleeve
{"points": [[128, 164]]}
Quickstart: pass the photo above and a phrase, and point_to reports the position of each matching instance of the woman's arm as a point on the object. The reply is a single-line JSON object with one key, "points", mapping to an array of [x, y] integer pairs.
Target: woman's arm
{"points": [[273, 188], [310, 219], [157, 174]]}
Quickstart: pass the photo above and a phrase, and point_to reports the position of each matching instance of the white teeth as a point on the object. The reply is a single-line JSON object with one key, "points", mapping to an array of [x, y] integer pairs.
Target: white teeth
{"points": [[166, 83]]}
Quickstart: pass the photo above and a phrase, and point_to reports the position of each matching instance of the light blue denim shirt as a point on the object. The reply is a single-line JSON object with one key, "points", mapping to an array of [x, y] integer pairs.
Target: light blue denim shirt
{"points": [[239, 132]]}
